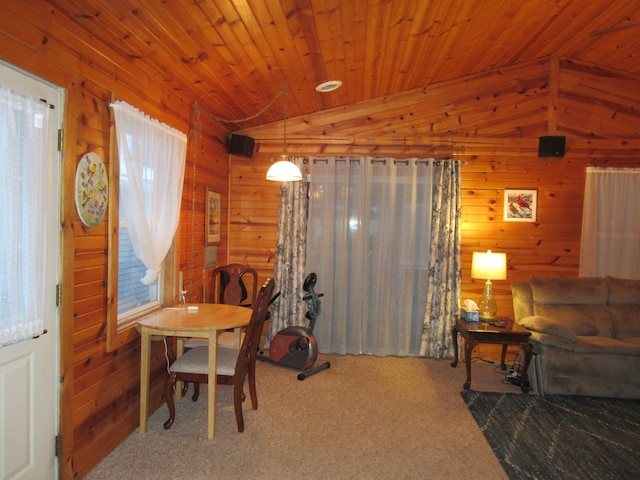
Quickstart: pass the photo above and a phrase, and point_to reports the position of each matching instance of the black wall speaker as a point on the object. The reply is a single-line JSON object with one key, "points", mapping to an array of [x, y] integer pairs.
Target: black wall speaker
{"points": [[240, 145], [551, 147]]}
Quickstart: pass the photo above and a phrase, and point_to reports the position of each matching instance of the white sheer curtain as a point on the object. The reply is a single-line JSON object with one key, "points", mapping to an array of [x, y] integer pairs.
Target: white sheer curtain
{"points": [[152, 160], [23, 193], [610, 243], [368, 241]]}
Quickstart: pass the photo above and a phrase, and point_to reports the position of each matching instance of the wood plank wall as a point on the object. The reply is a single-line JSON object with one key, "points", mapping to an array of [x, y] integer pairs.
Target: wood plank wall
{"points": [[100, 389], [601, 130], [549, 247]]}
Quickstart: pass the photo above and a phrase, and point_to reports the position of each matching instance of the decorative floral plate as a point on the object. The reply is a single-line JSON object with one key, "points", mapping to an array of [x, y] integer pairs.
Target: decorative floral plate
{"points": [[92, 189]]}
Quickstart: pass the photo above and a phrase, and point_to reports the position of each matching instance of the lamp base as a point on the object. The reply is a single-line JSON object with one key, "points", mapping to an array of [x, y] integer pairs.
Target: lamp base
{"points": [[488, 305]]}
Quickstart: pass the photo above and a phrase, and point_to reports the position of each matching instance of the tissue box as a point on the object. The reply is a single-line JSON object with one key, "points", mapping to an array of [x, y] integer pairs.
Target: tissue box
{"points": [[470, 316]]}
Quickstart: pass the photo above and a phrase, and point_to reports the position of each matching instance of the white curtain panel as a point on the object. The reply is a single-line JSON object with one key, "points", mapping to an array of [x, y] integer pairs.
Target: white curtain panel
{"points": [[152, 162], [23, 192], [368, 241], [611, 223]]}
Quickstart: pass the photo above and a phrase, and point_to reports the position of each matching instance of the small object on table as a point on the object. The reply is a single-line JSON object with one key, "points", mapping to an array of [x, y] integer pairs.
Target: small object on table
{"points": [[496, 322], [470, 315]]}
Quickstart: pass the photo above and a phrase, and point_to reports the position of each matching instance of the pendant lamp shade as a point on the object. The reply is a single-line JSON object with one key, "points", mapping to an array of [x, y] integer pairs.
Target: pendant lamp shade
{"points": [[284, 171]]}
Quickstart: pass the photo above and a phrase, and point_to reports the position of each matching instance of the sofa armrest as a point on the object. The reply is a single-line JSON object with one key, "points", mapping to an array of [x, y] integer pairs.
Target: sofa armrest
{"points": [[541, 342], [522, 300], [548, 326]]}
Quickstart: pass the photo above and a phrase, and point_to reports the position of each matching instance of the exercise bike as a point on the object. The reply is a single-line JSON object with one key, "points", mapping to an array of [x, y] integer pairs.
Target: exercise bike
{"points": [[296, 347]]}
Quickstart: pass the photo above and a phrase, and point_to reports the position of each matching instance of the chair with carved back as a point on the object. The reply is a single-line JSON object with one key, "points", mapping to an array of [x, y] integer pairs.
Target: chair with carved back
{"points": [[234, 366], [229, 285]]}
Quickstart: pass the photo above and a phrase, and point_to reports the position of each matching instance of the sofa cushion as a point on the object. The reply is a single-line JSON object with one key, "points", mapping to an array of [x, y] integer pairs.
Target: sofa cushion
{"points": [[582, 319], [580, 303], [563, 291], [623, 291], [624, 307], [626, 321], [549, 326], [607, 346]]}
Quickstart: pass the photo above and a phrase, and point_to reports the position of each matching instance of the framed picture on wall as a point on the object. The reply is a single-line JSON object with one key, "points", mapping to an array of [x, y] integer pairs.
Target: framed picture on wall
{"points": [[212, 217], [520, 205]]}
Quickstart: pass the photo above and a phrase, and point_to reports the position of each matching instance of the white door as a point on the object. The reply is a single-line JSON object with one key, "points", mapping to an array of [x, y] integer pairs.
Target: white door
{"points": [[29, 369]]}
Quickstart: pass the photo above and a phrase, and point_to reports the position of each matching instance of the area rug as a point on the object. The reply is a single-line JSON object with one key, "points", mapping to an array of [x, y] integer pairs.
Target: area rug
{"points": [[563, 437]]}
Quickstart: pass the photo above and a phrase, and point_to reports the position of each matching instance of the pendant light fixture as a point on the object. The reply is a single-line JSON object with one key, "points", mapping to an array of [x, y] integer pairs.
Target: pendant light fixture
{"points": [[283, 170]]}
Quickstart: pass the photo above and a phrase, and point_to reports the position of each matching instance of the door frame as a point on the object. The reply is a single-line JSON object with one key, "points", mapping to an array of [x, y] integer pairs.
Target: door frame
{"points": [[53, 310]]}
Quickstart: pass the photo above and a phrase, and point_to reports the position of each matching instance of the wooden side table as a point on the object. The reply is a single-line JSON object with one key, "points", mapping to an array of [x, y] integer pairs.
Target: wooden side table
{"points": [[482, 332], [204, 322]]}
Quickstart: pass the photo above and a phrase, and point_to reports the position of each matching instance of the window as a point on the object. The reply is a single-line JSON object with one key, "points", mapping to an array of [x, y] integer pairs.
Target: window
{"points": [[133, 295], [378, 215], [610, 223], [147, 164], [24, 130]]}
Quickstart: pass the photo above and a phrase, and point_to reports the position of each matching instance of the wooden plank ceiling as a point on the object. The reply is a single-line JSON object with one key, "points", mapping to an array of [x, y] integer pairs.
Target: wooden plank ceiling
{"points": [[234, 56]]}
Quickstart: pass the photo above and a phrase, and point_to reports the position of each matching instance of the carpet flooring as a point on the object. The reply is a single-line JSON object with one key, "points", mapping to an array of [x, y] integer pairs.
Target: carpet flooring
{"points": [[560, 437], [366, 418]]}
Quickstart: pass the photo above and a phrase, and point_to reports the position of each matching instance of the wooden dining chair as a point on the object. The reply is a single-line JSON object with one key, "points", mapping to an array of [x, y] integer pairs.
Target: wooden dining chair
{"points": [[234, 365], [231, 284]]}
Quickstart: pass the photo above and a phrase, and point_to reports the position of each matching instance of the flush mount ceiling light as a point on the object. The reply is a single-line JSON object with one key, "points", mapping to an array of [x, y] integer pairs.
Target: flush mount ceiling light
{"points": [[284, 170], [329, 86]]}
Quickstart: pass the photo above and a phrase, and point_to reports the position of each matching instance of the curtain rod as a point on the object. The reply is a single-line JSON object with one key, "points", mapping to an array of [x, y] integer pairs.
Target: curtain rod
{"points": [[395, 161]]}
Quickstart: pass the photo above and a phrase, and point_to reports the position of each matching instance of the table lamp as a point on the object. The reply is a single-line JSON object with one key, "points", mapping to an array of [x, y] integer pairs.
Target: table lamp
{"points": [[490, 266]]}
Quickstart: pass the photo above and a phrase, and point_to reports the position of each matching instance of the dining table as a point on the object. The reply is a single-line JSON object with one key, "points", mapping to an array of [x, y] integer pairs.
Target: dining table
{"points": [[203, 320]]}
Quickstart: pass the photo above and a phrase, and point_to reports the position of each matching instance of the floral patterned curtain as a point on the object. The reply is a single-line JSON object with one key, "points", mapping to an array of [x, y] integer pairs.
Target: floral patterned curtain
{"points": [[443, 291], [291, 246]]}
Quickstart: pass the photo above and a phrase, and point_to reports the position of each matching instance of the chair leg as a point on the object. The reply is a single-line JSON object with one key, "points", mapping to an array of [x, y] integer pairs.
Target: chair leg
{"points": [[196, 391], [237, 404], [252, 386], [169, 383]]}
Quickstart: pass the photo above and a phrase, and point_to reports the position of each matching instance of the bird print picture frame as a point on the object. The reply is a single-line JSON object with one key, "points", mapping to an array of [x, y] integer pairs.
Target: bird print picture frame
{"points": [[520, 205]]}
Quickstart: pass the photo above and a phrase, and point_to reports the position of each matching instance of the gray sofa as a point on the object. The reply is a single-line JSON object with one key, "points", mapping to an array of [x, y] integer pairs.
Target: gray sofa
{"points": [[585, 334]]}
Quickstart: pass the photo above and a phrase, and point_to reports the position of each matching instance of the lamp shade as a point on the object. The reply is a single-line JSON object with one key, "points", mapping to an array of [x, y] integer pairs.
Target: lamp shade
{"points": [[284, 171], [489, 265]]}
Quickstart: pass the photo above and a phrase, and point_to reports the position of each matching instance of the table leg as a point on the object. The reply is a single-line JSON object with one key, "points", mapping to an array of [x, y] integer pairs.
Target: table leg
{"points": [[503, 366], [179, 351], [213, 381], [454, 341], [145, 359], [468, 348], [527, 350]]}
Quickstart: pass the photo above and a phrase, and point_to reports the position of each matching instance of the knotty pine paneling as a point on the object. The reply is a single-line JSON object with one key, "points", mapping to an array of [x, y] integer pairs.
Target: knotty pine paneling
{"points": [[100, 390], [491, 120], [505, 103], [549, 247], [596, 102], [235, 56], [254, 213]]}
